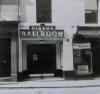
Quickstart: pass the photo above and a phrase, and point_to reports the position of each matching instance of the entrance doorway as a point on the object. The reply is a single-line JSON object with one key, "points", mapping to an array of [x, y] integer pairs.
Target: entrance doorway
{"points": [[5, 57], [41, 58], [96, 56]]}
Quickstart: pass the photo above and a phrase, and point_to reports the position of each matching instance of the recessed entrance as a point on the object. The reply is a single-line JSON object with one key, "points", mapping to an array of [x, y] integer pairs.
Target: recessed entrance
{"points": [[5, 57], [41, 58]]}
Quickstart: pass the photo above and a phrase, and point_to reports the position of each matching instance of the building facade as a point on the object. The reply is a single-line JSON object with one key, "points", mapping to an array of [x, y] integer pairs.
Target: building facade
{"points": [[49, 37]]}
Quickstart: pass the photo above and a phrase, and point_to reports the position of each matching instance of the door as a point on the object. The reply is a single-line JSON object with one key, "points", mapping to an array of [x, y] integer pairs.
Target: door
{"points": [[41, 58], [96, 56], [5, 57]]}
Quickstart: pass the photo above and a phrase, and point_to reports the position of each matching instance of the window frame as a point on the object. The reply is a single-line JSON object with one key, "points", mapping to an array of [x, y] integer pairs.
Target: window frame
{"points": [[47, 19], [95, 11]]}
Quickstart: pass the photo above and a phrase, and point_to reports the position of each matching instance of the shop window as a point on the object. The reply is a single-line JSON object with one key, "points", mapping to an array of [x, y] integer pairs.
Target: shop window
{"points": [[91, 11], [43, 9], [82, 57]]}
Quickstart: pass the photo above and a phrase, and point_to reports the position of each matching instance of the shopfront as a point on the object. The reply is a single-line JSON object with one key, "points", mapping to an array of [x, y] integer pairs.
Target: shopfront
{"points": [[40, 51], [8, 49], [87, 50]]}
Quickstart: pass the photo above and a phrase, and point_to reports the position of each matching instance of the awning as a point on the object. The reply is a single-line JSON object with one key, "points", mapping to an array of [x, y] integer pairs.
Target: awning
{"points": [[89, 32]]}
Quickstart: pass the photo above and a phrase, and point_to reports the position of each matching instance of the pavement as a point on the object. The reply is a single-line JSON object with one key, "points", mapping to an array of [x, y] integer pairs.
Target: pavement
{"points": [[51, 86], [51, 83]]}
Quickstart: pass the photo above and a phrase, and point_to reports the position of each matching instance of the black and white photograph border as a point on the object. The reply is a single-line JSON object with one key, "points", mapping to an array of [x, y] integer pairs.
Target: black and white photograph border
{"points": [[49, 46]]}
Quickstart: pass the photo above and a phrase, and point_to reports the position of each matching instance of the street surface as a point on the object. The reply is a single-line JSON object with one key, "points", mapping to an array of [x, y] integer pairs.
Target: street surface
{"points": [[51, 87], [85, 90]]}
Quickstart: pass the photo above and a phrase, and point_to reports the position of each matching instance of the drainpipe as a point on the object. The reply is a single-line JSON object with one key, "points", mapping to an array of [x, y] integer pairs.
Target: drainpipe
{"points": [[97, 9], [18, 9], [0, 9]]}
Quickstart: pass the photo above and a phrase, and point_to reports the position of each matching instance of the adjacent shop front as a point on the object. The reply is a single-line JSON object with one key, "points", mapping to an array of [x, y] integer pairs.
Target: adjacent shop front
{"points": [[8, 50], [86, 50]]}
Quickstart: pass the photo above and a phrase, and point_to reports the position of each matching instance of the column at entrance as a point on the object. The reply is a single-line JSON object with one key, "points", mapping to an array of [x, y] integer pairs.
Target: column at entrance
{"points": [[21, 72], [67, 59], [14, 59]]}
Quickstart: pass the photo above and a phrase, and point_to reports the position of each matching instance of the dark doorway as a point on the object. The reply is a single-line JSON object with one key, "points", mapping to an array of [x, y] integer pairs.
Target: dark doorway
{"points": [[5, 57], [41, 58], [96, 56]]}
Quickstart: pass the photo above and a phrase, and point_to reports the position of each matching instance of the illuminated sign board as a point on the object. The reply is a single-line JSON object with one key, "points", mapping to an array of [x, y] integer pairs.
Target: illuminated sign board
{"points": [[42, 31]]}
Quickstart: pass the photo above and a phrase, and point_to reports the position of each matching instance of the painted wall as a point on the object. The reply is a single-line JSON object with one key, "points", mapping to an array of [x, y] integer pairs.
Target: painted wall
{"points": [[64, 12], [99, 12], [68, 48], [68, 12], [65, 15], [9, 10], [28, 11]]}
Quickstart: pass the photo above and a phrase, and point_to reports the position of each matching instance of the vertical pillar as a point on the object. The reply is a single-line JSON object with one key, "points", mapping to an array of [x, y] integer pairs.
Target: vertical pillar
{"points": [[14, 59], [59, 71], [98, 11], [67, 58], [20, 64], [24, 60], [20, 69], [58, 56]]}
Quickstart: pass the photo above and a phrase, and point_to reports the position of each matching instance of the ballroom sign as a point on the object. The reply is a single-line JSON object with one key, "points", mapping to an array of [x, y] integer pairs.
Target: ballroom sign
{"points": [[42, 31]]}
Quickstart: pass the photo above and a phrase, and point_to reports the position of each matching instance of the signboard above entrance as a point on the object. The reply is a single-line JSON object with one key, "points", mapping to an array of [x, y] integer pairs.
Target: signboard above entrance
{"points": [[42, 31], [89, 32]]}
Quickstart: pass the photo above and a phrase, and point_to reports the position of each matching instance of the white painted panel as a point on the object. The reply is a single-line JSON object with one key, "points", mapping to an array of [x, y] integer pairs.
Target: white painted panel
{"points": [[13, 56], [31, 15], [67, 56], [98, 11], [64, 12], [91, 5], [9, 12], [68, 12], [28, 11]]}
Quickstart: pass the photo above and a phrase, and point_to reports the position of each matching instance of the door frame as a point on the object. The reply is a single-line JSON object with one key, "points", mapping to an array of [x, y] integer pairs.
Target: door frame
{"points": [[24, 51]]}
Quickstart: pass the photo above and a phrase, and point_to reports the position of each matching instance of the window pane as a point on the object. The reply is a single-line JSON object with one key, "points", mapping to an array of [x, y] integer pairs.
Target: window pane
{"points": [[91, 16], [43, 11]]}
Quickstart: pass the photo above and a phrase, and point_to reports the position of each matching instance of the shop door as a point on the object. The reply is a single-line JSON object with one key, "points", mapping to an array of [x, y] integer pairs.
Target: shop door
{"points": [[41, 58], [96, 56], [5, 61]]}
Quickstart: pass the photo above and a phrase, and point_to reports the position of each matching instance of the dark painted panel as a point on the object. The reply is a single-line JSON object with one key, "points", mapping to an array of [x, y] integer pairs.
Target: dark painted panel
{"points": [[5, 57]]}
